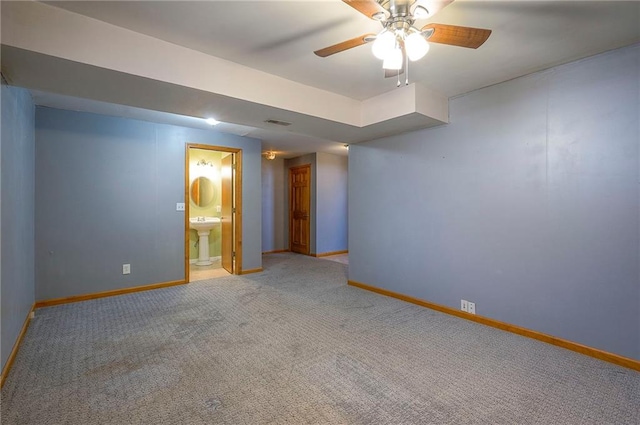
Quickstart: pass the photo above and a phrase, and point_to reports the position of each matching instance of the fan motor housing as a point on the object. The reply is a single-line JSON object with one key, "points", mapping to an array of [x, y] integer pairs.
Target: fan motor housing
{"points": [[397, 8]]}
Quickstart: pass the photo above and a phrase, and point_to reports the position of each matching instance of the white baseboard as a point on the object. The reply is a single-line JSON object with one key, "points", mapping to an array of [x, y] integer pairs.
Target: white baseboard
{"points": [[195, 260]]}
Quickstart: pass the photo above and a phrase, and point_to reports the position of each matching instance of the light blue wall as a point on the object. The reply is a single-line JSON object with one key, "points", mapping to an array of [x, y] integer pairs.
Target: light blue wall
{"points": [[17, 214], [106, 194], [274, 204], [331, 190], [527, 204]]}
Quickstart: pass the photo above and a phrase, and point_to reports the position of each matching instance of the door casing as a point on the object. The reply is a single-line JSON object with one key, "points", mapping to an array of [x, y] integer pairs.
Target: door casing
{"points": [[227, 219], [237, 200]]}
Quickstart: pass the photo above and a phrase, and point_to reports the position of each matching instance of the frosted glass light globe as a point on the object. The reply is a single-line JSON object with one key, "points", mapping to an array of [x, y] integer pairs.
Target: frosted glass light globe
{"points": [[416, 46], [385, 42], [393, 59]]}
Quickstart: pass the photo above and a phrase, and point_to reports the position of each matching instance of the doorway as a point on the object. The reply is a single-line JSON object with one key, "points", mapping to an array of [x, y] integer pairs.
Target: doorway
{"points": [[299, 209], [213, 219]]}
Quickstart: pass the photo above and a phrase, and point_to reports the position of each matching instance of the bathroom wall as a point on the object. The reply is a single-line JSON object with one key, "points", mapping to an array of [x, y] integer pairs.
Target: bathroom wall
{"points": [[106, 194], [527, 204], [212, 172], [17, 281]]}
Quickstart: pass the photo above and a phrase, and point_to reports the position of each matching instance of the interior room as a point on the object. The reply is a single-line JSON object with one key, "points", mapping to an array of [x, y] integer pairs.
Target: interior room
{"points": [[377, 211]]}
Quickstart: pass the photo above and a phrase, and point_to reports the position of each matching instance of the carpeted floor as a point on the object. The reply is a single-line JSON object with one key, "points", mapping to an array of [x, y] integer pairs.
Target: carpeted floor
{"points": [[340, 258], [295, 345]]}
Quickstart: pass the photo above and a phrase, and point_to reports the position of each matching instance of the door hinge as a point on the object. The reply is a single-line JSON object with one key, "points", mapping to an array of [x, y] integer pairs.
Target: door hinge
{"points": [[233, 166], [234, 254], [233, 209]]}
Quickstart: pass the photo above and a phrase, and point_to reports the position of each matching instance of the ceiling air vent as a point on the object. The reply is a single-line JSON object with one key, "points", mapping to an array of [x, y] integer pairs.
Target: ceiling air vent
{"points": [[276, 122]]}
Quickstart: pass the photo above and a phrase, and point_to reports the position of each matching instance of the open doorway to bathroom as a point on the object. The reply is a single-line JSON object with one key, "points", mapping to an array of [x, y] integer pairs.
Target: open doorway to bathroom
{"points": [[213, 225]]}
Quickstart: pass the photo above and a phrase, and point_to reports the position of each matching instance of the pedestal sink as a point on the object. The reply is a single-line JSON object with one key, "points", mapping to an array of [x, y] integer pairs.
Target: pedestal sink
{"points": [[203, 226]]}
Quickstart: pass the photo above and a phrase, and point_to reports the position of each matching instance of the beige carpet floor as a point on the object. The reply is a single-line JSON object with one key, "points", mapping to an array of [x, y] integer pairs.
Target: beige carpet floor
{"points": [[296, 345]]}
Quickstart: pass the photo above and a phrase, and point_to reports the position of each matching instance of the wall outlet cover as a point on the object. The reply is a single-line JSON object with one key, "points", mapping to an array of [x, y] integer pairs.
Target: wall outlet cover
{"points": [[180, 206], [464, 305], [471, 308], [126, 269]]}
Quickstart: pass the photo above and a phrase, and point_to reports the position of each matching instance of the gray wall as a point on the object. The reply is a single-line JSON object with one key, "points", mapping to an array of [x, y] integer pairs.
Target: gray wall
{"points": [[273, 205], [106, 194], [331, 213], [527, 204], [16, 214], [296, 162]]}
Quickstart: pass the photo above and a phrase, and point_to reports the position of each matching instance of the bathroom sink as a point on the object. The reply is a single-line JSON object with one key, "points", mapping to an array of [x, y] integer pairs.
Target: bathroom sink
{"points": [[203, 223]]}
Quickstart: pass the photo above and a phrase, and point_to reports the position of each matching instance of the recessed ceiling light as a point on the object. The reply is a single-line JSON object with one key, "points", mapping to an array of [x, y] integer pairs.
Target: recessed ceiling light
{"points": [[212, 121]]}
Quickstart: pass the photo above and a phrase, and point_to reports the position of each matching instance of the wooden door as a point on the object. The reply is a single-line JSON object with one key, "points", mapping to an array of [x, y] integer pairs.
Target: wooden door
{"points": [[227, 213], [299, 208]]}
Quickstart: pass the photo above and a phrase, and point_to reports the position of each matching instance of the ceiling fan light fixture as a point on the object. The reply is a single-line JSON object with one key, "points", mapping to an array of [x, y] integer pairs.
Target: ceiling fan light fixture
{"points": [[416, 46], [384, 44], [399, 41], [393, 59]]}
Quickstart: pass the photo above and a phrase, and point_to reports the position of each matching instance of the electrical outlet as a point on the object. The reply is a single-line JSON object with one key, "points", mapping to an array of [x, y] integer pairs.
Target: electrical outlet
{"points": [[180, 206], [126, 268], [464, 305], [471, 308]]}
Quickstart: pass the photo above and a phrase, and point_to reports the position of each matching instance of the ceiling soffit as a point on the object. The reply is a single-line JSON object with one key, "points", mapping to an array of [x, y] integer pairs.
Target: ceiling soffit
{"points": [[51, 49]]}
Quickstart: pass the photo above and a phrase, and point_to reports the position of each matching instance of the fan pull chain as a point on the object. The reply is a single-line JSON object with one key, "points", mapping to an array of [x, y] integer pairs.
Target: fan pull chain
{"points": [[398, 85], [406, 70]]}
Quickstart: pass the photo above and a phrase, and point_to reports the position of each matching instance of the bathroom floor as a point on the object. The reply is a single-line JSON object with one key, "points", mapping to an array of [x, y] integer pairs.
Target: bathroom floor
{"points": [[197, 273]]}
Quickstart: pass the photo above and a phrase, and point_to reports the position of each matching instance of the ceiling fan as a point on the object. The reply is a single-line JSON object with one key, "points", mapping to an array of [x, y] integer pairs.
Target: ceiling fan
{"points": [[399, 40]]}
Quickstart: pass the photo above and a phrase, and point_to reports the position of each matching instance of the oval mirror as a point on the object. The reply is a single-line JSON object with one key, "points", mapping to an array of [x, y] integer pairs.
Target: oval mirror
{"points": [[202, 191]]}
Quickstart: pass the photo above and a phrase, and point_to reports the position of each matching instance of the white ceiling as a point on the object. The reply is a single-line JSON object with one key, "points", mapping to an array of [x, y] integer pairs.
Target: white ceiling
{"points": [[279, 37]]}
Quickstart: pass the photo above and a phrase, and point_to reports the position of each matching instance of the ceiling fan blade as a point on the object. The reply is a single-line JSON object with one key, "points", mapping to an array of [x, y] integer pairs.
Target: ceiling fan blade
{"points": [[471, 38], [367, 7], [345, 45]]}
